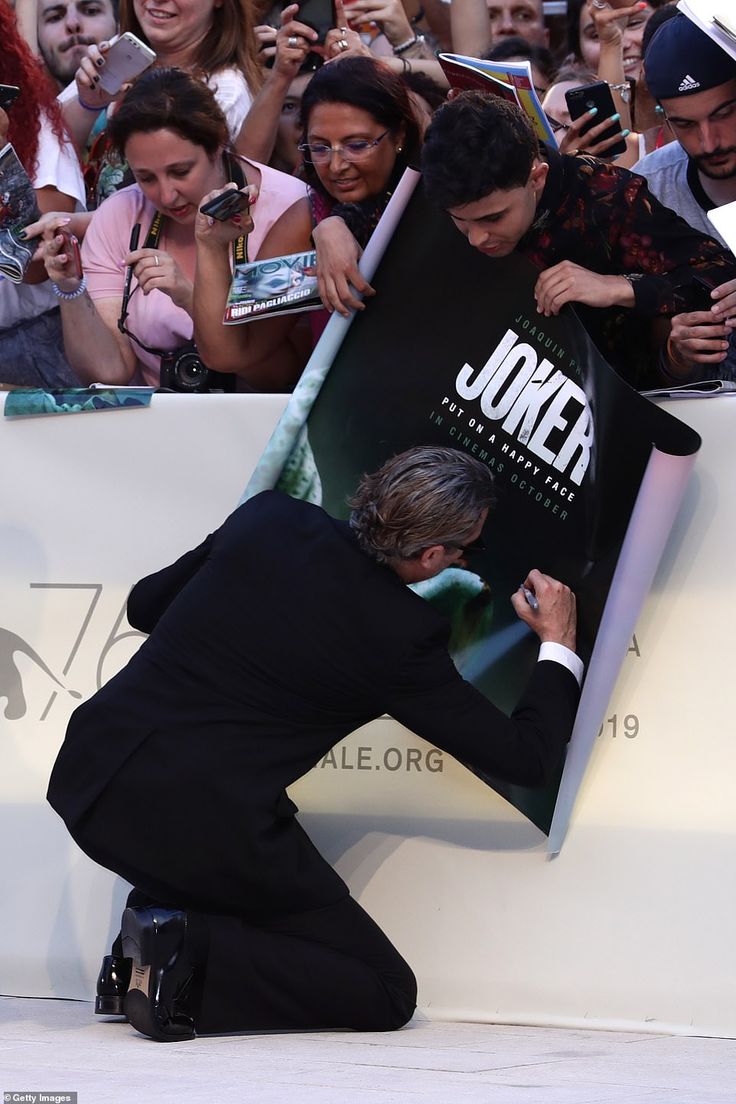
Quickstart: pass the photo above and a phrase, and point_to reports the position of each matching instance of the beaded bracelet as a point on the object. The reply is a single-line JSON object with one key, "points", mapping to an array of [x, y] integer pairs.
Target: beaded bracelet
{"points": [[68, 295], [404, 46]]}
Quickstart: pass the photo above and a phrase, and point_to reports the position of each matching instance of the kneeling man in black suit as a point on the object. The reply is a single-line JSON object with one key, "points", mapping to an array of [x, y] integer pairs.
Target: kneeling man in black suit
{"points": [[270, 642]]}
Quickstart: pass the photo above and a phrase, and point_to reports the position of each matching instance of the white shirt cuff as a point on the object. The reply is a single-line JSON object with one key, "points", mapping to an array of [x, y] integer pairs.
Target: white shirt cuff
{"points": [[558, 653]]}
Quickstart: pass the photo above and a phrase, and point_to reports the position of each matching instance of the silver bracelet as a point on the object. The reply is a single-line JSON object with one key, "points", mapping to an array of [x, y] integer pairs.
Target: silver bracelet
{"points": [[623, 89], [68, 295]]}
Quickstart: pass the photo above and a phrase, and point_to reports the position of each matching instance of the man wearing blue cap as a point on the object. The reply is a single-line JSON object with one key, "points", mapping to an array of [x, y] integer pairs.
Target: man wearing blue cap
{"points": [[694, 81]]}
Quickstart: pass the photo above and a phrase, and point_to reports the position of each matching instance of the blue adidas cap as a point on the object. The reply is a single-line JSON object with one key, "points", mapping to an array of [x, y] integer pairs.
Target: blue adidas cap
{"points": [[681, 59]]}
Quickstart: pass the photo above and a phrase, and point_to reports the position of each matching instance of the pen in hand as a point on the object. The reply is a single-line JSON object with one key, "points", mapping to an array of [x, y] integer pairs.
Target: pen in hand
{"points": [[531, 599], [134, 236]]}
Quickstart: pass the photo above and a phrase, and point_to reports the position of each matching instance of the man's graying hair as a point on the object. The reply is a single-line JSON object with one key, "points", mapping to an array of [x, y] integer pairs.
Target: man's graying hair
{"points": [[427, 495]]}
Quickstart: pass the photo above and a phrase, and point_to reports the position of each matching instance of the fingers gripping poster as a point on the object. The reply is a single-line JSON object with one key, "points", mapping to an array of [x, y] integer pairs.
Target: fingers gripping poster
{"points": [[589, 474]]}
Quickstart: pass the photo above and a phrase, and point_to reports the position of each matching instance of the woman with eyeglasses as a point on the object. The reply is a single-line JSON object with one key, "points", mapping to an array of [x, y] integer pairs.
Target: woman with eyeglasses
{"points": [[359, 135], [129, 309]]}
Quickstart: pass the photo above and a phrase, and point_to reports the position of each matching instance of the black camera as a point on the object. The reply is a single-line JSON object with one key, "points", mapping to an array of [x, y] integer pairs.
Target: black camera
{"points": [[184, 370]]}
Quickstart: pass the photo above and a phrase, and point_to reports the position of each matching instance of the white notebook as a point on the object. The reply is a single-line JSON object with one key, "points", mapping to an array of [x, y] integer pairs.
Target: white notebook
{"points": [[724, 220], [704, 12]]}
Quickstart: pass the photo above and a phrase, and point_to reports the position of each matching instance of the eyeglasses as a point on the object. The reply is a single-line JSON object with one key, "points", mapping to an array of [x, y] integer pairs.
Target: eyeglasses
{"points": [[556, 125], [319, 153], [478, 545]]}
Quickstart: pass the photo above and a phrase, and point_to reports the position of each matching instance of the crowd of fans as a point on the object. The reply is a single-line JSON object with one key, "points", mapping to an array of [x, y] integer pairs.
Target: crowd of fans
{"points": [[317, 130]]}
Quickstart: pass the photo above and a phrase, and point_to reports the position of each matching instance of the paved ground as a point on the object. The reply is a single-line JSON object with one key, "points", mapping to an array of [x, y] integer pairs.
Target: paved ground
{"points": [[60, 1046]]}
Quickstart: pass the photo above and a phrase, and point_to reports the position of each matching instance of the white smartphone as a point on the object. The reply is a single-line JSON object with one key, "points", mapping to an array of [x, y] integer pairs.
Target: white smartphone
{"points": [[127, 58]]}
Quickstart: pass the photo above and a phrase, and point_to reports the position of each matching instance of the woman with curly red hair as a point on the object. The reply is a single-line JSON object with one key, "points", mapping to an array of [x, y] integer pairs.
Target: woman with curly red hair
{"points": [[19, 67], [31, 346]]}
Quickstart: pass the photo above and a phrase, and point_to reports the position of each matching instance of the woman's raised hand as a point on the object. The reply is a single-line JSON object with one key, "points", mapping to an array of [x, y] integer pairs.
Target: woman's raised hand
{"points": [[266, 41], [610, 19], [340, 41], [210, 231], [339, 279], [390, 15], [87, 77], [76, 223], [56, 256], [294, 40], [591, 142]]}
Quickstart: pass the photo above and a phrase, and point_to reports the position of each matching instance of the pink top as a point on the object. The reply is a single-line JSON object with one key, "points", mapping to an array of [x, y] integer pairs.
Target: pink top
{"points": [[154, 318]]}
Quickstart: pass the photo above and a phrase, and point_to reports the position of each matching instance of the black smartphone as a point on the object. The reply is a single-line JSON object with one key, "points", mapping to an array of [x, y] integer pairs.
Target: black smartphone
{"points": [[580, 100], [703, 286], [317, 14], [8, 95], [225, 206]]}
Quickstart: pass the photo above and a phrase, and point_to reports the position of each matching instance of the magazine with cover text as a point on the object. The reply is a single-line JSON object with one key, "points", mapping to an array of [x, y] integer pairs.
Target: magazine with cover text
{"points": [[277, 285], [18, 208], [510, 80]]}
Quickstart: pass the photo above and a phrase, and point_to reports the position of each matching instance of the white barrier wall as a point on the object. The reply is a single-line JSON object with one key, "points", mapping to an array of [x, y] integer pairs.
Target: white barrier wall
{"points": [[631, 926]]}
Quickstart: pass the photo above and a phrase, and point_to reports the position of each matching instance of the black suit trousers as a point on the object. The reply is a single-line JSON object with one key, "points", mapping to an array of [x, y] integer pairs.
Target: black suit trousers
{"points": [[325, 967]]}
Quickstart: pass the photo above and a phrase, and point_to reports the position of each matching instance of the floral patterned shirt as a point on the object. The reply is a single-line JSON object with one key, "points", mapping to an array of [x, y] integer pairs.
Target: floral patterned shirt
{"points": [[605, 219]]}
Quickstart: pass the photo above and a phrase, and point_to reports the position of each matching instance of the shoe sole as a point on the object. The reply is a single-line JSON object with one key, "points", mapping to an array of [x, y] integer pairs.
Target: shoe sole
{"points": [[141, 944]]}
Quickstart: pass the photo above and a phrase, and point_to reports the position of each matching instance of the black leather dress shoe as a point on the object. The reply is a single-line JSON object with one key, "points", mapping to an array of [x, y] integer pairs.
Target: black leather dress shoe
{"points": [[112, 985], [160, 1000]]}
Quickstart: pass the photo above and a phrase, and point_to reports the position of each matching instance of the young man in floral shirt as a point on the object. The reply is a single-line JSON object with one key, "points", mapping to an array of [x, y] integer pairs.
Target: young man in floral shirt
{"points": [[600, 240]]}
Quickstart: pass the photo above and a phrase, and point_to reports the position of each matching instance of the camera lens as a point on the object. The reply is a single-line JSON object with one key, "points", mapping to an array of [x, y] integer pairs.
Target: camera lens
{"points": [[191, 374]]}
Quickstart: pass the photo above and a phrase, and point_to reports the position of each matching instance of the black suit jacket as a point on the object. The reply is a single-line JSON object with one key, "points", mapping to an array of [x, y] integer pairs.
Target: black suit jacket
{"points": [[268, 644]]}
